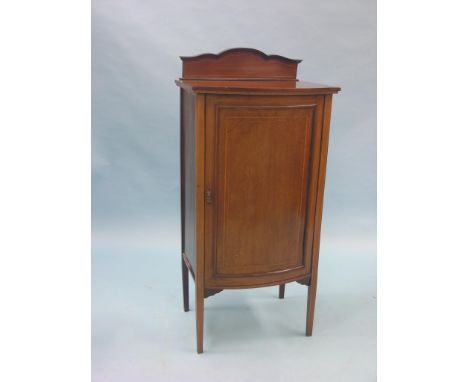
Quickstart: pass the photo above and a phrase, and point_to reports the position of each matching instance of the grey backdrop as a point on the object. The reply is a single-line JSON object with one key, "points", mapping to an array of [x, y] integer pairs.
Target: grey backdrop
{"points": [[138, 325]]}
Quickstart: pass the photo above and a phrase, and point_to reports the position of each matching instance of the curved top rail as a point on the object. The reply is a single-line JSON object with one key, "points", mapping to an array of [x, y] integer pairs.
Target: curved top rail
{"points": [[239, 63]]}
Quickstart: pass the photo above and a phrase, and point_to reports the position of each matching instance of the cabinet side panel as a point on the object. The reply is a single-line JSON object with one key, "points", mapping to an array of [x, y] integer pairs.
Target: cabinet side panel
{"points": [[188, 183], [321, 187]]}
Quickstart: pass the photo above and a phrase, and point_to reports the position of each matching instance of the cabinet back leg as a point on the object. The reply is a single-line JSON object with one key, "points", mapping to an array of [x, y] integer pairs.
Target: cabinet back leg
{"points": [[281, 290], [185, 285]]}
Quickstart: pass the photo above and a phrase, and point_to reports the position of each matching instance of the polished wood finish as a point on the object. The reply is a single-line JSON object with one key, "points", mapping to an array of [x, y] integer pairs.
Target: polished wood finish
{"points": [[312, 290], [200, 216], [187, 151], [258, 167], [256, 87], [239, 63], [253, 158], [185, 269]]}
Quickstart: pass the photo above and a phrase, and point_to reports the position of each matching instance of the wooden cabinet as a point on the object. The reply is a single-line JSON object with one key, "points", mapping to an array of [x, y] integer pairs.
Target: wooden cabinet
{"points": [[253, 157]]}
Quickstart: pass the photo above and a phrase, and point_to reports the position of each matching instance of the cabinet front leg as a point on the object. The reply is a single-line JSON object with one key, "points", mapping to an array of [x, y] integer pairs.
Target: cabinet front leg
{"points": [[185, 285], [200, 297], [312, 292]]}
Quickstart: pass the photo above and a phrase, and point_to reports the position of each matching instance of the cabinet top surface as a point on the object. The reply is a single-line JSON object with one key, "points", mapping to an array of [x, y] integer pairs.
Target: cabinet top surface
{"points": [[245, 70], [253, 86]]}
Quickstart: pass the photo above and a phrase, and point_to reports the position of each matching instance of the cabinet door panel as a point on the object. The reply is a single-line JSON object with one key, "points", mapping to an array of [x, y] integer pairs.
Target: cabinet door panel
{"points": [[260, 175]]}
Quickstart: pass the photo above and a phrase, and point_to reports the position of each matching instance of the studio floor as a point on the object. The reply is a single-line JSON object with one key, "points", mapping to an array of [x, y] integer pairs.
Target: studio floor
{"points": [[141, 333]]}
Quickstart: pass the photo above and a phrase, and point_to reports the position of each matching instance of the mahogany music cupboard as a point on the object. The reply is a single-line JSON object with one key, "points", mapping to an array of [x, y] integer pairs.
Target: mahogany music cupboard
{"points": [[253, 152]]}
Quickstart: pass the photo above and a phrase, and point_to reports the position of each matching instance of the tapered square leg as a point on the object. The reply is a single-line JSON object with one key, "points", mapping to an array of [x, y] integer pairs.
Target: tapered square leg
{"points": [[199, 310], [185, 285], [311, 306], [281, 290]]}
